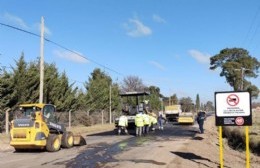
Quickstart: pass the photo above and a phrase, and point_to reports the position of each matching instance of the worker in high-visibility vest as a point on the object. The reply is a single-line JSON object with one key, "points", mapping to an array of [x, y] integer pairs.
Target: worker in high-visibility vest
{"points": [[146, 123], [153, 121], [139, 123], [122, 124]]}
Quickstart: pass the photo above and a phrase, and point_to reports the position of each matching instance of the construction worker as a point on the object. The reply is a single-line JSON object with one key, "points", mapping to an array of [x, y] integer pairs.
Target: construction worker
{"points": [[200, 119], [153, 120], [122, 124], [139, 123], [146, 123], [160, 120]]}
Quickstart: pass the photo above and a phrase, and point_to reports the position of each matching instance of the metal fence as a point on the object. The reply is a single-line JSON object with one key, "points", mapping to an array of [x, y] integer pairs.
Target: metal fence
{"points": [[69, 118]]}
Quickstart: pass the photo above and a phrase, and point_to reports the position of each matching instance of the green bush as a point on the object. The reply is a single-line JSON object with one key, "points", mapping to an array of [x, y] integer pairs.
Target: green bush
{"points": [[2, 121], [235, 137], [255, 145]]}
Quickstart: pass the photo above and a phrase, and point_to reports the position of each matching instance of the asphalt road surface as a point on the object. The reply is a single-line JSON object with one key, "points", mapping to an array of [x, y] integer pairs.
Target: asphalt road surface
{"points": [[101, 150]]}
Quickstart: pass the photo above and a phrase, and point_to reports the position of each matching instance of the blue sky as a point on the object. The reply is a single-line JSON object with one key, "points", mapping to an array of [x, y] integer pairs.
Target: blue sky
{"points": [[166, 43]]}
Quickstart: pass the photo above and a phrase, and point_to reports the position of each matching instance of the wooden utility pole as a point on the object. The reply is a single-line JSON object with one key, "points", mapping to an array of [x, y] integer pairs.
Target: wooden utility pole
{"points": [[70, 119], [42, 61], [110, 116], [102, 120], [7, 121], [242, 69]]}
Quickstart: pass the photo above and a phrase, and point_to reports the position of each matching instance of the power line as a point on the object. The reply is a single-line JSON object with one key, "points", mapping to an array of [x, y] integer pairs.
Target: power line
{"points": [[251, 29], [16, 28], [63, 47]]}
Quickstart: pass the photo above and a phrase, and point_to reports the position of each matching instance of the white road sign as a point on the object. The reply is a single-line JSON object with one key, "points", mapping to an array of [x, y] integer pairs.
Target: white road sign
{"points": [[232, 104]]}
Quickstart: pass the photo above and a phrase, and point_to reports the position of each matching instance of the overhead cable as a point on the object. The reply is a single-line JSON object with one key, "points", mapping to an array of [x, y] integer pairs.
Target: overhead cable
{"points": [[65, 48]]}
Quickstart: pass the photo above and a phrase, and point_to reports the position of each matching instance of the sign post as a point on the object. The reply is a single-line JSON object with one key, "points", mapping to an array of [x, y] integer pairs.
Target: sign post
{"points": [[247, 147], [220, 147], [233, 109]]}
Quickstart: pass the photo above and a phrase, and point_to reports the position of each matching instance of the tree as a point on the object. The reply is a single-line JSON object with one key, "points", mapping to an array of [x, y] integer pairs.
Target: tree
{"points": [[154, 98], [98, 88], [54, 86], [173, 99], [64, 94], [22, 85], [6, 91], [21, 80], [197, 102], [186, 104], [209, 106], [237, 65], [132, 84], [33, 83], [7, 96]]}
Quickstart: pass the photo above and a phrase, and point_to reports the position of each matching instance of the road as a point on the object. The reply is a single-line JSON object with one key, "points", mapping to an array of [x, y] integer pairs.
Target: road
{"points": [[109, 150]]}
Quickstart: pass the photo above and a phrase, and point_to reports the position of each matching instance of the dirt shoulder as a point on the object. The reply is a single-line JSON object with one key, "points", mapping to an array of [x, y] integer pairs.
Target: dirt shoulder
{"points": [[4, 143], [203, 151]]}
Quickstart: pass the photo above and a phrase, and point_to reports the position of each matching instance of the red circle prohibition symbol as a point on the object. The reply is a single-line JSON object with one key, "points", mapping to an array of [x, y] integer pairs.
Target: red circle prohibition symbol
{"points": [[232, 100], [239, 121]]}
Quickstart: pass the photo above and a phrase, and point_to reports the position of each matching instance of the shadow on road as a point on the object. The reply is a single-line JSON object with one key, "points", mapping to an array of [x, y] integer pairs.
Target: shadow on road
{"points": [[198, 138], [113, 132], [145, 161], [193, 157], [106, 133]]}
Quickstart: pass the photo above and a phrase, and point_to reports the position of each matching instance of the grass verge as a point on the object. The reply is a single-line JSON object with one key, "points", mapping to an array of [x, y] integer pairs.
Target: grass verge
{"points": [[236, 135]]}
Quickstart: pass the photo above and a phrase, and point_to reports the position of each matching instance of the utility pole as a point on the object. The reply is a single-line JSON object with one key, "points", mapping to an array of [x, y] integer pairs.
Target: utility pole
{"points": [[110, 116], [7, 121], [41, 61], [70, 119], [242, 76]]}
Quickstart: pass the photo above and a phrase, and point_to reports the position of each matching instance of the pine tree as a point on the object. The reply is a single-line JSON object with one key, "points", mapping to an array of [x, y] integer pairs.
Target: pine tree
{"points": [[154, 98], [6, 91], [21, 80], [98, 88]]}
